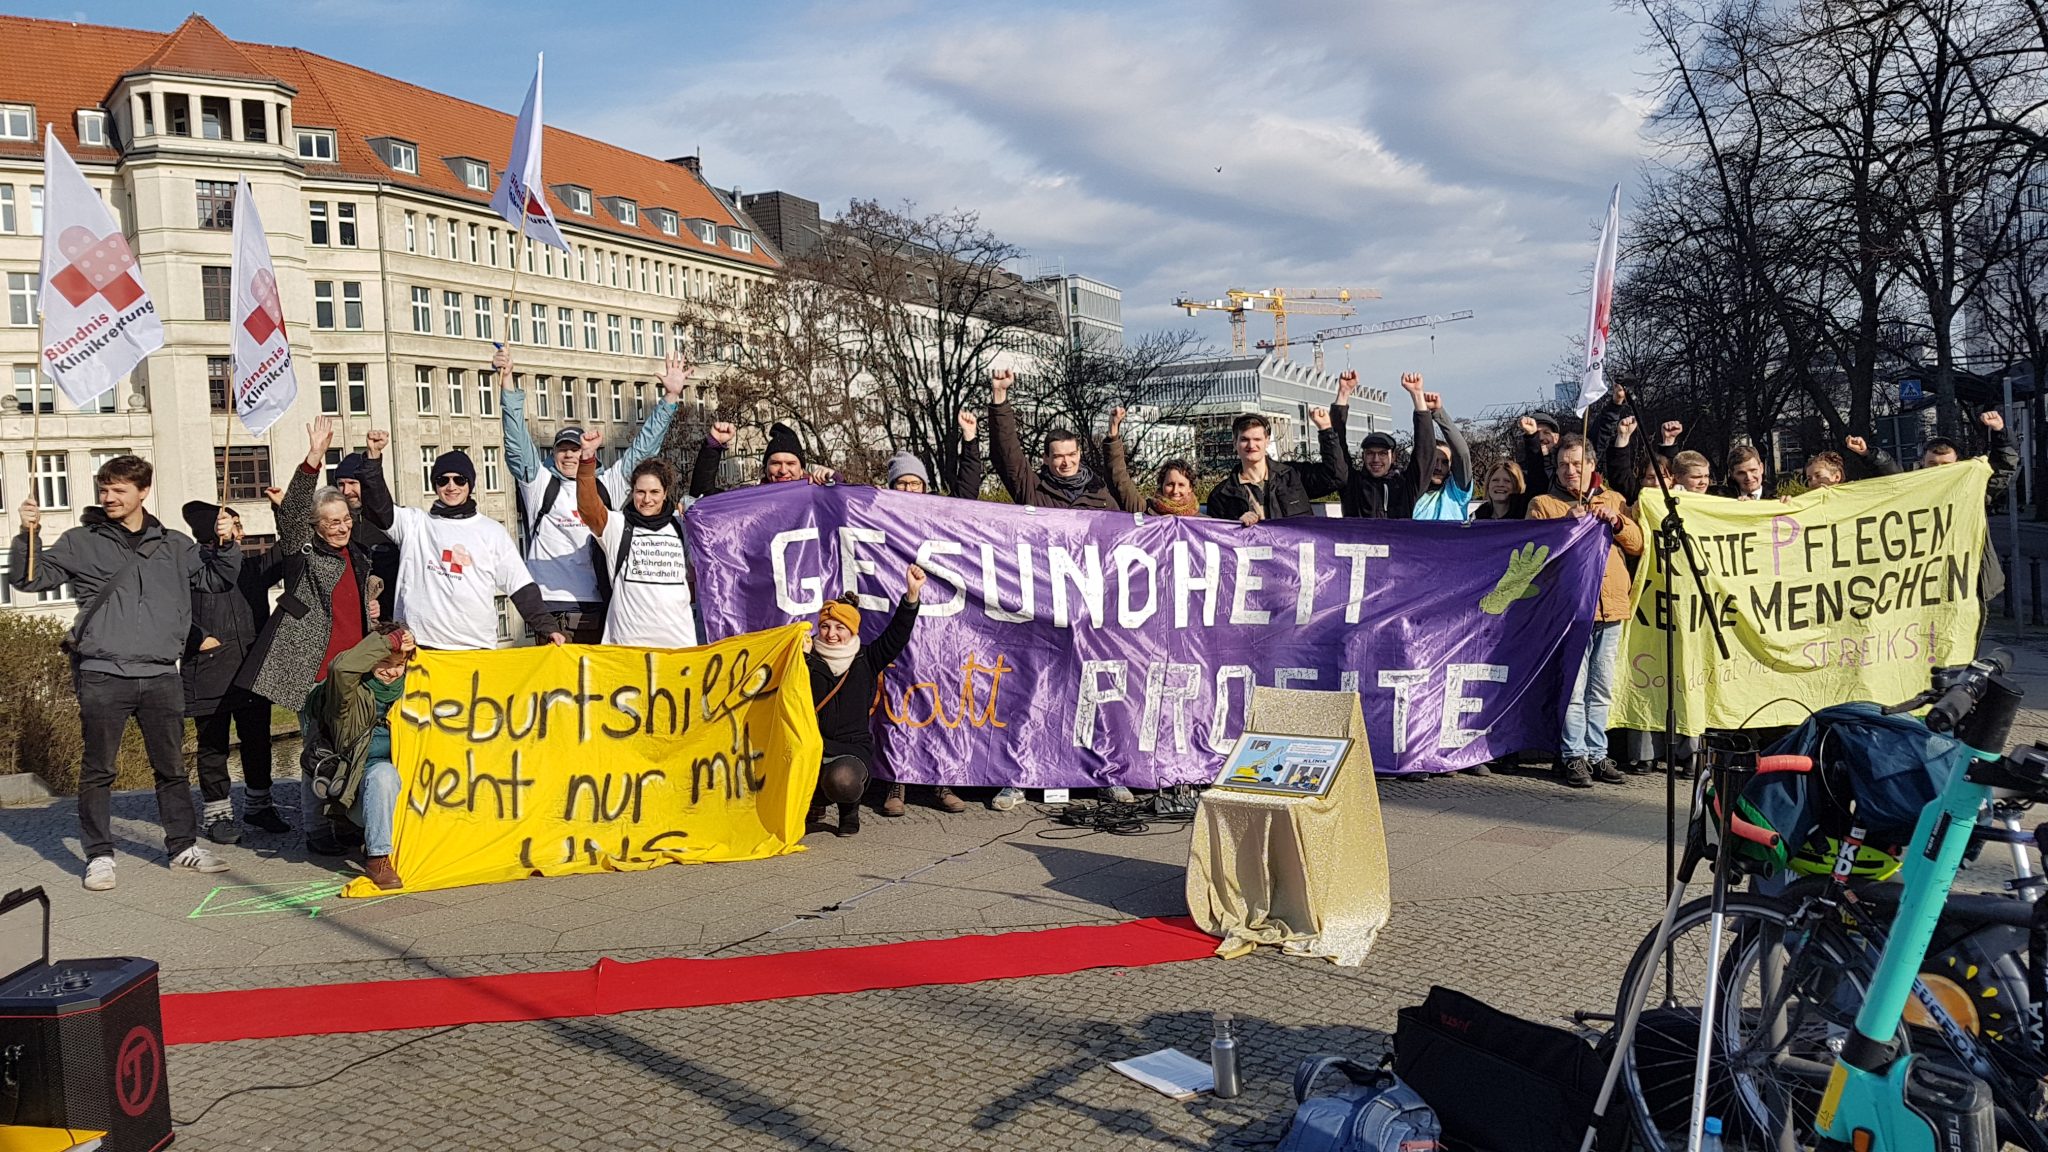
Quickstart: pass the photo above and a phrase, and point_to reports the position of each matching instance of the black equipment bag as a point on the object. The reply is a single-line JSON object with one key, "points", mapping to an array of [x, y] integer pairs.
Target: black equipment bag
{"points": [[1500, 1083]]}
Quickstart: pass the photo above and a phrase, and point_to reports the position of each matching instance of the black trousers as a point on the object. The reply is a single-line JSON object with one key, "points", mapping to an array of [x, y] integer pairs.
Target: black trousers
{"points": [[581, 623], [157, 703], [249, 715]]}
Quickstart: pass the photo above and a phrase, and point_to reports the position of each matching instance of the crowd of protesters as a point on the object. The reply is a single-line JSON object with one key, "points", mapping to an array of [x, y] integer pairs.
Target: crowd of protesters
{"points": [[172, 626]]}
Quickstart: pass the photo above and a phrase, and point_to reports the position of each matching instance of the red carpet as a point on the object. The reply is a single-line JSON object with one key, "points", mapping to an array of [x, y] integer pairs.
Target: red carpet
{"points": [[610, 986]]}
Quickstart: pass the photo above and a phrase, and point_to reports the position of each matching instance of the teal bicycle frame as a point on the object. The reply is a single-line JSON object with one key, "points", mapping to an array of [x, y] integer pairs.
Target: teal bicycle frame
{"points": [[1864, 1107]]}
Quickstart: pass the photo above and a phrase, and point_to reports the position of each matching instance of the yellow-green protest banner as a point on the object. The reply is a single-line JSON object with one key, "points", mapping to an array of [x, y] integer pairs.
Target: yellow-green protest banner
{"points": [[1840, 594], [553, 760]]}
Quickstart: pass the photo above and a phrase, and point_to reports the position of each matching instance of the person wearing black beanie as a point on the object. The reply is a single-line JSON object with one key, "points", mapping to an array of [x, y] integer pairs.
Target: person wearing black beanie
{"points": [[783, 459]]}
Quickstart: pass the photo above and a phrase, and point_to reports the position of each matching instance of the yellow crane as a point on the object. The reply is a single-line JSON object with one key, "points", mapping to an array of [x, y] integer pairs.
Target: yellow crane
{"points": [[1237, 302]]}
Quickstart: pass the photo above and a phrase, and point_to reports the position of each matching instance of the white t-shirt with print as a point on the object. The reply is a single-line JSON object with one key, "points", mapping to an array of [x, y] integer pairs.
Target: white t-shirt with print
{"points": [[651, 595], [451, 570]]}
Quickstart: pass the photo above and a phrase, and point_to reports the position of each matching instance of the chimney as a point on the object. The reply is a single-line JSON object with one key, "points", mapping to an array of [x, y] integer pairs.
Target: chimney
{"points": [[695, 164]]}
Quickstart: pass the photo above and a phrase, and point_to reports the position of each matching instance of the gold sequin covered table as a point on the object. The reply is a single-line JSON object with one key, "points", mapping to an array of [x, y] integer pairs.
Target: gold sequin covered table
{"points": [[1308, 874]]}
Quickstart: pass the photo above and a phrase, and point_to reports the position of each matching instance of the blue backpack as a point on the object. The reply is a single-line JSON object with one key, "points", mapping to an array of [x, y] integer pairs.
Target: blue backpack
{"points": [[1375, 1112]]}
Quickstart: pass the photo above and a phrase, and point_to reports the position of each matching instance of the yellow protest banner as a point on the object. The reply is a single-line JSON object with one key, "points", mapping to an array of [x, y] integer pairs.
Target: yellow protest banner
{"points": [[549, 761], [1842, 594]]}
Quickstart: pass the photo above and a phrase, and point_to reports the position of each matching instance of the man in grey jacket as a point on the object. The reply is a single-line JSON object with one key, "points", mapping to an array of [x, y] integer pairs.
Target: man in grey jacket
{"points": [[133, 580]]}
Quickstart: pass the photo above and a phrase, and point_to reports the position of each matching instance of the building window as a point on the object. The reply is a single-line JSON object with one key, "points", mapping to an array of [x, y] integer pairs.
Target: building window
{"points": [[427, 454], [547, 258], [490, 476], [565, 326], [178, 114], [17, 122], [458, 392], [540, 395], [52, 475], [582, 262], [92, 128], [611, 332], [611, 263], [345, 225], [590, 393], [511, 316], [433, 235], [706, 231], [741, 241], [472, 243], [404, 157], [316, 227], [105, 403], [451, 313], [254, 130], [25, 390], [316, 146], [216, 291], [568, 397], [454, 251], [486, 394], [216, 205], [578, 200], [618, 400], [540, 323], [35, 209], [423, 388], [639, 401], [213, 117], [639, 337], [494, 247], [475, 174], [671, 279], [23, 289], [359, 389], [330, 386], [643, 273], [422, 310], [247, 469], [480, 309], [660, 339], [352, 305], [412, 225], [590, 331], [219, 369], [8, 221], [323, 304]]}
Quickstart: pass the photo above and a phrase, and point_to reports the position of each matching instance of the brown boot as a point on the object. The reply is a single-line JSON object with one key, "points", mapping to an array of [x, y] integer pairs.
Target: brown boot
{"points": [[380, 872], [892, 804], [946, 799]]}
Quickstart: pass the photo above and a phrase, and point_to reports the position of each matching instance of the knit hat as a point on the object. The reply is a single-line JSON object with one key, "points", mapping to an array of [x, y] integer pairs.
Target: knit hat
{"points": [[783, 438], [1377, 440], [906, 464], [456, 462], [352, 467], [570, 435], [842, 611], [199, 517]]}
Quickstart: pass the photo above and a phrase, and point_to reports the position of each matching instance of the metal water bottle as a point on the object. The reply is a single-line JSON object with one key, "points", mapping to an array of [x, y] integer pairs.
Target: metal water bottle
{"points": [[1223, 1058]]}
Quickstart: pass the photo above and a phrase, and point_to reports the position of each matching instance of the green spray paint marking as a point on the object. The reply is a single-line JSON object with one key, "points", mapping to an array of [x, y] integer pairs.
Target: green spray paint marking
{"points": [[304, 897]]}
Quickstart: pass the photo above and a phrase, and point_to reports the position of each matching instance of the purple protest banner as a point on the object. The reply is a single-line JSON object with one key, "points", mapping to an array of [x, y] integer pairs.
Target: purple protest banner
{"points": [[1078, 649]]}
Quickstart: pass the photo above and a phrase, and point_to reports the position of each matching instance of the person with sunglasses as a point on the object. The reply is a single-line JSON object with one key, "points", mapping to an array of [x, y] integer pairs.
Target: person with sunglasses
{"points": [[453, 564]]}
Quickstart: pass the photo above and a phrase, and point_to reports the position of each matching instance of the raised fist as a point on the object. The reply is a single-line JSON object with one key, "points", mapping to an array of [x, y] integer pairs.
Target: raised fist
{"points": [[1116, 421], [1434, 401], [501, 363], [721, 433], [1672, 430], [275, 495], [375, 442], [1528, 425], [1411, 383], [1321, 416], [913, 576], [31, 515], [1856, 444], [1994, 420], [969, 425], [1347, 386], [591, 440], [1627, 431], [999, 382]]}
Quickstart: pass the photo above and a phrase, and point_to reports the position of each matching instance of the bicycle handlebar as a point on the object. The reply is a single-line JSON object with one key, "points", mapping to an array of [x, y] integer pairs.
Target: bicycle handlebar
{"points": [[1967, 689]]}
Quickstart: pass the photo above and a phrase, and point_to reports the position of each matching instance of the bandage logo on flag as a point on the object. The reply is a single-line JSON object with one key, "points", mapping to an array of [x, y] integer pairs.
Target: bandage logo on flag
{"points": [[519, 198], [98, 319], [265, 383]]}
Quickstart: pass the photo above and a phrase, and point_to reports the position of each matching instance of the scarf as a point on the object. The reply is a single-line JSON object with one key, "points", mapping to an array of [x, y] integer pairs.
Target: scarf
{"points": [[837, 657], [1069, 488], [656, 523], [460, 511], [1161, 506]]}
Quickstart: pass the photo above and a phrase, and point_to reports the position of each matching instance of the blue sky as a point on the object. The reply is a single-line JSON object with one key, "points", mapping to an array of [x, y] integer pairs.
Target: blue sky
{"points": [[1453, 154]]}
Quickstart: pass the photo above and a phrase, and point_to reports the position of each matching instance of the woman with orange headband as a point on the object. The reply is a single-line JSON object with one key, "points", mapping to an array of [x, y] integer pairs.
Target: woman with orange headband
{"points": [[844, 674]]}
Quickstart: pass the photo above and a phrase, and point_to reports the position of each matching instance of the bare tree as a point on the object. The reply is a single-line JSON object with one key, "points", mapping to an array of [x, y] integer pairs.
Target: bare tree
{"points": [[1077, 385]]}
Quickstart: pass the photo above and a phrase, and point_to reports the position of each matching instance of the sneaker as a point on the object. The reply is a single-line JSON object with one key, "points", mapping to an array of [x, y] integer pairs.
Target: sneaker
{"points": [[381, 873], [849, 820], [1476, 770], [1605, 772], [197, 859], [99, 874], [266, 817], [1118, 794], [947, 799], [1577, 772], [892, 804], [1007, 799], [325, 844], [223, 830]]}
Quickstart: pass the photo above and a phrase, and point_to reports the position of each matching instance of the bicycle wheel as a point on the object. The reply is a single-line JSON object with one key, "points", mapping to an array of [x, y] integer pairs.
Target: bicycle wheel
{"points": [[1788, 987]]}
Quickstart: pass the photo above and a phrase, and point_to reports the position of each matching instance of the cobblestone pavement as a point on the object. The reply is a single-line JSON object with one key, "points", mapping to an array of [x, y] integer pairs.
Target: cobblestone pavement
{"points": [[1511, 888]]}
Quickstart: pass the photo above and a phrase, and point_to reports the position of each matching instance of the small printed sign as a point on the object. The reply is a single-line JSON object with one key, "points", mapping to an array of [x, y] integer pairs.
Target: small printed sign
{"points": [[1284, 765]]}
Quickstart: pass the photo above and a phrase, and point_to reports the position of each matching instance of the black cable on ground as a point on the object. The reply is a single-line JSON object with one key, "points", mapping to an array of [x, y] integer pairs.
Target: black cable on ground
{"points": [[1134, 819], [356, 1063]]}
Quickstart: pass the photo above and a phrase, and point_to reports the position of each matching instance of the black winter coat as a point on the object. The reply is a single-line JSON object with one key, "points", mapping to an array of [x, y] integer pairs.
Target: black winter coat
{"points": [[843, 719], [1389, 497], [1289, 489], [234, 618]]}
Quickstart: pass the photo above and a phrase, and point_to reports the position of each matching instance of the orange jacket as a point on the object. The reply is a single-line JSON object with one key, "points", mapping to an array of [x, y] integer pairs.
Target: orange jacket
{"points": [[1615, 590]]}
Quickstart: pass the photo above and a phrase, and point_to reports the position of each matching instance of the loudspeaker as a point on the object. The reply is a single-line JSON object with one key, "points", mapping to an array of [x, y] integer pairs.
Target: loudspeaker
{"points": [[82, 1045]]}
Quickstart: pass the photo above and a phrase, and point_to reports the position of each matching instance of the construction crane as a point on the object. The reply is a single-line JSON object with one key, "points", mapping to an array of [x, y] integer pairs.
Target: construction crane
{"points": [[1347, 331], [1237, 302]]}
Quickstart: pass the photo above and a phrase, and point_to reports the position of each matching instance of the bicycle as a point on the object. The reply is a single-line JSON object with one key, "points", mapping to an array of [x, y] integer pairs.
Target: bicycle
{"points": [[1800, 966]]}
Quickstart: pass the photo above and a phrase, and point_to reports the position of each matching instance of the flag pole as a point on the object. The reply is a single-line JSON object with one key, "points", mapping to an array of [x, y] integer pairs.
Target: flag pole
{"points": [[227, 438], [35, 443]]}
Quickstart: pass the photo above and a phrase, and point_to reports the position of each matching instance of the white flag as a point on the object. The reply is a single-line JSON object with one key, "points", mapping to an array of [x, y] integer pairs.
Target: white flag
{"points": [[98, 320], [265, 384], [522, 197], [1593, 381]]}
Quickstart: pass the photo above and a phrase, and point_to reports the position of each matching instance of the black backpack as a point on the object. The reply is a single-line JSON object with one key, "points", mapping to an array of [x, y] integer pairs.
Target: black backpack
{"points": [[547, 501]]}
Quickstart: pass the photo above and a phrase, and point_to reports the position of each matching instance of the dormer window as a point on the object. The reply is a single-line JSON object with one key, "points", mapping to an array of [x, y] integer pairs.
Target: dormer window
{"points": [[705, 230], [577, 198], [738, 239], [317, 145], [624, 211], [666, 221], [92, 127], [398, 155], [17, 122], [474, 173]]}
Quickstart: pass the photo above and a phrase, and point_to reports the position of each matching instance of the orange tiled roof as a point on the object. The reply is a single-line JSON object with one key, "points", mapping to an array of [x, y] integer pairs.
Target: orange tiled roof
{"points": [[61, 67]]}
